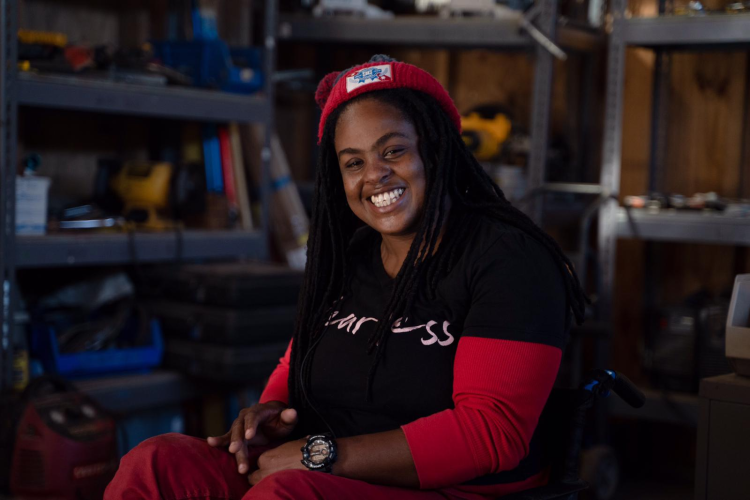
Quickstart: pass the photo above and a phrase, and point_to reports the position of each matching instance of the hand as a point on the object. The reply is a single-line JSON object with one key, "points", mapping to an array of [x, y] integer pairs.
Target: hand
{"points": [[286, 456], [256, 426]]}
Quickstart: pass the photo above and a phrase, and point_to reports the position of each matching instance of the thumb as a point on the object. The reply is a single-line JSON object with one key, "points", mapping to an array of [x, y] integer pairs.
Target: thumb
{"points": [[289, 416]]}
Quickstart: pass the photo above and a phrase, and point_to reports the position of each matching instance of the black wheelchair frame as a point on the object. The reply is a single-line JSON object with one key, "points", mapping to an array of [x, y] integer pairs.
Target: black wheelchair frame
{"points": [[562, 426]]}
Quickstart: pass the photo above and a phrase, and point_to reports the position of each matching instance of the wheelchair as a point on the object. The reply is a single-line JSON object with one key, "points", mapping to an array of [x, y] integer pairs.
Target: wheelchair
{"points": [[561, 427]]}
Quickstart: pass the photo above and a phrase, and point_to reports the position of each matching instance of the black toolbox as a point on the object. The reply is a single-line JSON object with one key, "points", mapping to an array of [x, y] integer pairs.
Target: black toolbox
{"points": [[243, 364], [235, 285], [221, 325]]}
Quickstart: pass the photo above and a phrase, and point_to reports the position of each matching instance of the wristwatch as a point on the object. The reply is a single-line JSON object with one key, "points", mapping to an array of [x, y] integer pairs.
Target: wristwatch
{"points": [[319, 453]]}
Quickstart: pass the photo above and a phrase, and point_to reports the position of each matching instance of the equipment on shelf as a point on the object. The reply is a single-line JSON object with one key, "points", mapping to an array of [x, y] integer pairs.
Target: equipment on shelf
{"points": [[738, 326], [738, 8], [231, 285], [521, 11], [86, 217], [224, 325], [484, 131], [228, 322], [19, 337], [289, 221], [241, 364], [31, 198], [61, 443], [94, 326], [350, 7], [657, 201], [144, 188], [490, 8], [211, 63], [696, 8], [686, 343]]}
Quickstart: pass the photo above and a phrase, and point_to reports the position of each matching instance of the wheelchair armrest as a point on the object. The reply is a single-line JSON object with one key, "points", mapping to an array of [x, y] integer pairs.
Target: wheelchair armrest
{"points": [[554, 491]]}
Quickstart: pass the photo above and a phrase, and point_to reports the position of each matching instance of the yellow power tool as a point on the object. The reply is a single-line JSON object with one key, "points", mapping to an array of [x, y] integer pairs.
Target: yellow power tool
{"points": [[144, 188], [485, 129]]}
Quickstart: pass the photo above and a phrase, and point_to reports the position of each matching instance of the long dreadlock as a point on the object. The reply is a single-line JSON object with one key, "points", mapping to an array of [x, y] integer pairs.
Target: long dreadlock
{"points": [[451, 171]]}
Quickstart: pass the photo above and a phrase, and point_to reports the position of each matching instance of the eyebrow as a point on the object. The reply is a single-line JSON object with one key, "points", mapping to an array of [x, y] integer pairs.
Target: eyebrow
{"points": [[385, 138]]}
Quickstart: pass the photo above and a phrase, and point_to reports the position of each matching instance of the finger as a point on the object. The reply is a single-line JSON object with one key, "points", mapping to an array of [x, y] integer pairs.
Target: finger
{"points": [[283, 425], [255, 477], [257, 417], [251, 424], [242, 462], [222, 440], [236, 436], [289, 417]]}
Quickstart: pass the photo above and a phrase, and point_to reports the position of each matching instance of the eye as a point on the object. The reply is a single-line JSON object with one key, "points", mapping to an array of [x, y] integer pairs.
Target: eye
{"points": [[353, 164], [394, 152]]}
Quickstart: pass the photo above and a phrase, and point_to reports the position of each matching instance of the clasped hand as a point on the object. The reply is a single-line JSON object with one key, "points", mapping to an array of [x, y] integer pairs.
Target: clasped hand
{"points": [[261, 425]]}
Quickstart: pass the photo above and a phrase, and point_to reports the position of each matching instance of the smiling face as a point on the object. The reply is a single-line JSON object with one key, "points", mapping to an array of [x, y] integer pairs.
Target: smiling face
{"points": [[383, 174]]}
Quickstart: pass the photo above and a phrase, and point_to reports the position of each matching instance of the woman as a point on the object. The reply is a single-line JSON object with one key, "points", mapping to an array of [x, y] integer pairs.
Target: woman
{"points": [[427, 340]]}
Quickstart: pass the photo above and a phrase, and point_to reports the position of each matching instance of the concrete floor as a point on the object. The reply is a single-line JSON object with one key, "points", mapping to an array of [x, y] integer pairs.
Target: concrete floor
{"points": [[647, 490]]}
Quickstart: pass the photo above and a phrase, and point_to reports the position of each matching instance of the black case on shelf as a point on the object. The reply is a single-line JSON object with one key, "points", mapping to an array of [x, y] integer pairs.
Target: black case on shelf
{"points": [[239, 285], [224, 363], [222, 325]]}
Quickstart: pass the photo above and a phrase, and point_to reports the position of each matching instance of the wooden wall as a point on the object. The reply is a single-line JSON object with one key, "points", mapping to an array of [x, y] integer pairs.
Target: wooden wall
{"points": [[704, 144], [707, 106], [703, 152]]}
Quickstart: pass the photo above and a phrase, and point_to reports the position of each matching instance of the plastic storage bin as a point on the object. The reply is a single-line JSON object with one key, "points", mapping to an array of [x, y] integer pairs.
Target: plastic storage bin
{"points": [[87, 363]]}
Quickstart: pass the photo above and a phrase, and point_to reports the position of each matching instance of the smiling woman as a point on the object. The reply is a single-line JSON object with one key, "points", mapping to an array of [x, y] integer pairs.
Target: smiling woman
{"points": [[429, 330], [382, 172]]}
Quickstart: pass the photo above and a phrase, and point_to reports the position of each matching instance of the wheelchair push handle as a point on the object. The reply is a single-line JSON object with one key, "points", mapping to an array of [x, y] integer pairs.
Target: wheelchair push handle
{"points": [[600, 382], [628, 391]]}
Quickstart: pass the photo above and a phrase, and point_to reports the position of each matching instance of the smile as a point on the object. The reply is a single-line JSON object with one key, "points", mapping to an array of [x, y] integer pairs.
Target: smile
{"points": [[384, 199]]}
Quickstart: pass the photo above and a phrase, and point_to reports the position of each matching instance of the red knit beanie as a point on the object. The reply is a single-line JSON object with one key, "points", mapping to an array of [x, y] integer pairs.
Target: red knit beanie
{"points": [[380, 73]]}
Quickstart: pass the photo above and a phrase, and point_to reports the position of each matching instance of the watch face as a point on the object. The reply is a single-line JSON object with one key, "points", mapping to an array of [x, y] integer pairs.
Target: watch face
{"points": [[319, 451]]}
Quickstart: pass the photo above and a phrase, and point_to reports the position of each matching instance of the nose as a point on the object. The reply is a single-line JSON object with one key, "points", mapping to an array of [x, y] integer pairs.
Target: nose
{"points": [[377, 172]]}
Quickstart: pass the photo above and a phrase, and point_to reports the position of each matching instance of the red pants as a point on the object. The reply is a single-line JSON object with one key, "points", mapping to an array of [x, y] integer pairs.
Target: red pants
{"points": [[178, 467]]}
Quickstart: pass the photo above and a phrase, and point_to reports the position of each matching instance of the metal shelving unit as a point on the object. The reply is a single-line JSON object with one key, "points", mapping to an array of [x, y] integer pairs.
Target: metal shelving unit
{"points": [[687, 31], [670, 225], [465, 33], [428, 31], [81, 94], [109, 249], [63, 92], [663, 34]]}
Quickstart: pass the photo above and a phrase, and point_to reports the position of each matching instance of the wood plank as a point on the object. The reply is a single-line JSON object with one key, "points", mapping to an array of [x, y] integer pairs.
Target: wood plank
{"points": [[483, 76], [705, 116], [629, 318]]}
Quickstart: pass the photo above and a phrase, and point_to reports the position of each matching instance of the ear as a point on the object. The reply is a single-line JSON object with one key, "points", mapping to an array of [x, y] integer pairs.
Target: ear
{"points": [[324, 88]]}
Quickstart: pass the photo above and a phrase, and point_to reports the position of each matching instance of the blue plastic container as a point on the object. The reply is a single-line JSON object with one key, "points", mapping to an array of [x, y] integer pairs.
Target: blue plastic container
{"points": [[209, 63], [88, 363]]}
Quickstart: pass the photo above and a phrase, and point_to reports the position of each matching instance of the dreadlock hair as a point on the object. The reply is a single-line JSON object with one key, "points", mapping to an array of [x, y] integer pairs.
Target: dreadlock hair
{"points": [[451, 171]]}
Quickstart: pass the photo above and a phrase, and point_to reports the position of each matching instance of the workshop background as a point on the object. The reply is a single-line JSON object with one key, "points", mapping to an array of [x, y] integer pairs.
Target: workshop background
{"points": [[152, 234]]}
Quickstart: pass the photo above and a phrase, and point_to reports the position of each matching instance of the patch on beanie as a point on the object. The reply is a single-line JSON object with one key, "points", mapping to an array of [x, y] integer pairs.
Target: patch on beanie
{"points": [[366, 76]]}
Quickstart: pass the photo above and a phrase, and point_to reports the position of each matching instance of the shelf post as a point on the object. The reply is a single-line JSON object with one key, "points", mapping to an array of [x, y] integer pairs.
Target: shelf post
{"points": [[610, 182], [269, 67], [541, 104], [8, 151], [611, 156]]}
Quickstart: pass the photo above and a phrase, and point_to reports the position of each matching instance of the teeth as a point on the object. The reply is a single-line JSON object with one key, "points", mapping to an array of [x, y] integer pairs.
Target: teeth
{"points": [[385, 199]]}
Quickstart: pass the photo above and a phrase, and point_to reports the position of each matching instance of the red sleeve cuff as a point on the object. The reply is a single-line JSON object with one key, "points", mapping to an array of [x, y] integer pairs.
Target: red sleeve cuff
{"points": [[277, 388], [438, 448]]}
